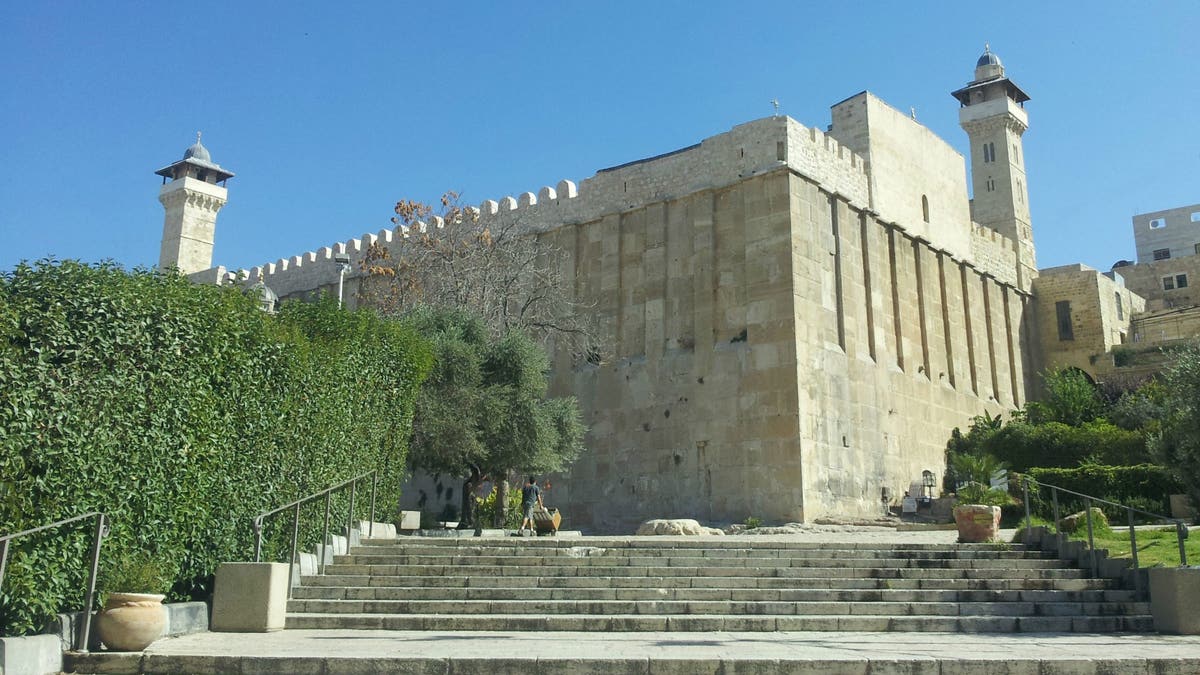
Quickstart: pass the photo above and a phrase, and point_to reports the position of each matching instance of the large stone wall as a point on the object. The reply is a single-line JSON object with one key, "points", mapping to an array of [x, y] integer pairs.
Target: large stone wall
{"points": [[779, 352], [1147, 280], [1097, 322], [917, 179], [779, 348], [1179, 233]]}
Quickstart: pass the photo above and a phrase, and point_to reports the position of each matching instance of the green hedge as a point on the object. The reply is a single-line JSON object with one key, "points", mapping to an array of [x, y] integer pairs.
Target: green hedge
{"points": [[1143, 486], [1020, 445], [182, 411]]}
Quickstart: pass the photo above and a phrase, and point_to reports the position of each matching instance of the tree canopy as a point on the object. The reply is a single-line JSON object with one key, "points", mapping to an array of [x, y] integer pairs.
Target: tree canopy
{"points": [[484, 408], [1177, 445], [510, 278]]}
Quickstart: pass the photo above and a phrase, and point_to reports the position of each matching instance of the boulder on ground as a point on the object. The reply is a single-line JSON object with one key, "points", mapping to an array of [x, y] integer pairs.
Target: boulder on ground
{"points": [[661, 526], [1077, 521]]}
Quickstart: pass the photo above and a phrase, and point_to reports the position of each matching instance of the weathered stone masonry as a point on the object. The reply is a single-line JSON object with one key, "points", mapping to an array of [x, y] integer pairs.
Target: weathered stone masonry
{"points": [[795, 319]]}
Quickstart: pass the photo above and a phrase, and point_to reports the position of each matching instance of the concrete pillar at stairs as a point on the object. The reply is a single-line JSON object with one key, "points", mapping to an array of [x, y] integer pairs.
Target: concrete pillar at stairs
{"points": [[250, 597]]}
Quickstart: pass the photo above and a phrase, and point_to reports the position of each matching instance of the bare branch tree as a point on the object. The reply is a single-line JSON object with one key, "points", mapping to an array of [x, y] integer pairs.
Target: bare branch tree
{"points": [[512, 279]]}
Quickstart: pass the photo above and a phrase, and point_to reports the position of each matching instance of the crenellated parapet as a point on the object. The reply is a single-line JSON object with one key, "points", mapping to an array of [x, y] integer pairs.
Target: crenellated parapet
{"points": [[750, 149], [994, 254]]}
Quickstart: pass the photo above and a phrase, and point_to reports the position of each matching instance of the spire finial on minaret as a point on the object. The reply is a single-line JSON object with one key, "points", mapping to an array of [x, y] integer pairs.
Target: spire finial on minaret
{"points": [[197, 136], [987, 47]]}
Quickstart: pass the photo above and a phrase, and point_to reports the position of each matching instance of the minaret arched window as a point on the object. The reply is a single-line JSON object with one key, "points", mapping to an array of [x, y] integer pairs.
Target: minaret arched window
{"points": [[925, 208]]}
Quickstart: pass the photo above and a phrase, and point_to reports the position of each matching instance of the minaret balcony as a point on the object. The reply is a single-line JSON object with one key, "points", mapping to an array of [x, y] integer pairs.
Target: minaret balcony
{"points": [[993, 108]]}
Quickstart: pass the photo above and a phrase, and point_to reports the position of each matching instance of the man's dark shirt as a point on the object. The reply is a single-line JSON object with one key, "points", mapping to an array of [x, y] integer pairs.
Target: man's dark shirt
{"points": [[530, 494]]}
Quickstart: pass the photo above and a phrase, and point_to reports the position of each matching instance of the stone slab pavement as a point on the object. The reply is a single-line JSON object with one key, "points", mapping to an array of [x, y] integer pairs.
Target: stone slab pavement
{"points": [[718, 653]]}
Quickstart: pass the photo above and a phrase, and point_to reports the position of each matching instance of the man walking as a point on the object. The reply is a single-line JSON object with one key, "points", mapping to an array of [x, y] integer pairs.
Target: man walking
{"points": [[531, 496]]}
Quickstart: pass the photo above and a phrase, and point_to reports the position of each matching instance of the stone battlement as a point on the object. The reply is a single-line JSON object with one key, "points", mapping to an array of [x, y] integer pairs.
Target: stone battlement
{"points": [[748, 149]]}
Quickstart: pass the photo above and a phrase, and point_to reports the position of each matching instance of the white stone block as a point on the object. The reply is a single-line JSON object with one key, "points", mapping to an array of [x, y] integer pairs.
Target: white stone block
{"points": [[250, 597]]}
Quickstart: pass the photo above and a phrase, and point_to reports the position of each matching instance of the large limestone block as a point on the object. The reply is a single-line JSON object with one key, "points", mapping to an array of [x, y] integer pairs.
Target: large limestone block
{"points": [[977, 523], [1175, 599], [250, 597], [410, 520], [674, 526]]}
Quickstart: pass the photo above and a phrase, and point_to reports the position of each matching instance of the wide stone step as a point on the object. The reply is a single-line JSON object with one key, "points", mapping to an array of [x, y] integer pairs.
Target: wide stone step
{"points": [[596, 551], [674, 561], [889, 572], [1079, 583], [689, 593], [617, 623], [670, 543], [724, 607]]}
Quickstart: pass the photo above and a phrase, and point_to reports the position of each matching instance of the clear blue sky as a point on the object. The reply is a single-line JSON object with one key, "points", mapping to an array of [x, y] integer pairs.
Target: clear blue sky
{"points": [[328, 113]]}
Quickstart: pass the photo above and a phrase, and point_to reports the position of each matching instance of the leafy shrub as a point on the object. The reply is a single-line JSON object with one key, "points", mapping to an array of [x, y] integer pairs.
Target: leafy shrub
{"points": [[182, 411], [1177, 445], [135, 572], [1022, 445], [487, 508], [1143, 486], [976, 493], [753, 523]]}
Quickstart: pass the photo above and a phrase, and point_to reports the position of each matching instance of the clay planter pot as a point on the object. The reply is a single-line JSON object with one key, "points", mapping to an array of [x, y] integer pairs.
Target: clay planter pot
{"points": [[129, 622], [977, 523]]}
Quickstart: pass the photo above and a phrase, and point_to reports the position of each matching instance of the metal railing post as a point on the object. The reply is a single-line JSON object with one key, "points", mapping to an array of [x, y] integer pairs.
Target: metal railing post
{"points": [[350, 514], [3, 560], [295, 547], [1091, 540], [85, 632], [1028, 518], [1137, 579], [1181, 534], [325, 531], [1057, 528], [371, 522], [257, 524]]}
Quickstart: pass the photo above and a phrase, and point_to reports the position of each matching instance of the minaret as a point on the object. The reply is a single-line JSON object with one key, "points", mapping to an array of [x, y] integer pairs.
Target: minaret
{"points": [[193, 192], [993, 115]]}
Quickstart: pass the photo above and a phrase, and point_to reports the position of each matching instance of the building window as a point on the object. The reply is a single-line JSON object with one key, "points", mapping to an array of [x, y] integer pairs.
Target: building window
{"points": [[1120, 308], [991, 187], [1159, 223], [925, 208], [989, 152], [1196, 216], [1197, 247], [1168, 283], [1180, 281], [1062, 309], [1016, 155], [1162, 253]]}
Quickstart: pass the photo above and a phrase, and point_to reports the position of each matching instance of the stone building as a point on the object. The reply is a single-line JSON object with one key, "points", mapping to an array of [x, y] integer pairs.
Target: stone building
{"points": [[797, 318]]}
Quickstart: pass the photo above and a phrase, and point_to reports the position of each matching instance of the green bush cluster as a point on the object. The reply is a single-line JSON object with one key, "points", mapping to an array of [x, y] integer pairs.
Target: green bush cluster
{"points": [[182, 411], [1020, 445], [1143, 486]]}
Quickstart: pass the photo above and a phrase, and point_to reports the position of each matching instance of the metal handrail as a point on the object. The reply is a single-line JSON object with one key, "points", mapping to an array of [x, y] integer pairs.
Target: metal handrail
{"points": [[81, 639], [1181, 531], [327, 493]]}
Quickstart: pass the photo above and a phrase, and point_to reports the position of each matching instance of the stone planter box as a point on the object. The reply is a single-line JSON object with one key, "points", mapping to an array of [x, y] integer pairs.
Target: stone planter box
{"points": [[1175, 599], [977, 523]]}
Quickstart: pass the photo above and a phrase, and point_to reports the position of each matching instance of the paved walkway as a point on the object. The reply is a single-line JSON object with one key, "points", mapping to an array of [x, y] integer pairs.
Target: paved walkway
{"points": [[366, 651]]}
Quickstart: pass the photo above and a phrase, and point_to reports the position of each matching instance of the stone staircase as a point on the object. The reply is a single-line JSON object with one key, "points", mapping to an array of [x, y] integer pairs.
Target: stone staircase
{"points": [[706, 584]]}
